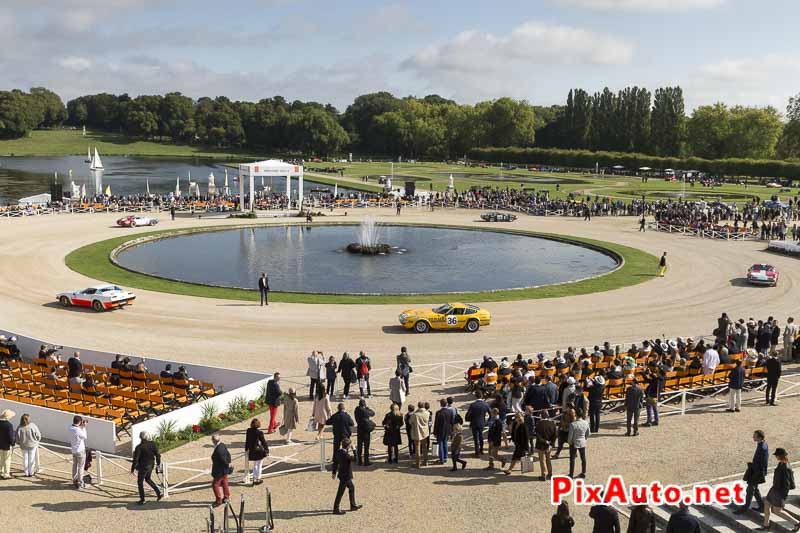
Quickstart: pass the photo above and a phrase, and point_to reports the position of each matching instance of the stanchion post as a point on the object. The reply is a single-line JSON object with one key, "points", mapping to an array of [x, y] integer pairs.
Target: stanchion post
{"points": [[165, 479], [444, 373], [99, 467], [683, 403], [321, 454]]}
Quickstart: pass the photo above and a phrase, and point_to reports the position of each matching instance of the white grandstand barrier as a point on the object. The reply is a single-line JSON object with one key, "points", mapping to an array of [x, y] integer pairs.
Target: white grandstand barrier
{"points": [[54, 425]]}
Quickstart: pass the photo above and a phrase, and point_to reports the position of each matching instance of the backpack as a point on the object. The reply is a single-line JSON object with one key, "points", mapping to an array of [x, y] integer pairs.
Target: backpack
{"points": [[363, 369]]}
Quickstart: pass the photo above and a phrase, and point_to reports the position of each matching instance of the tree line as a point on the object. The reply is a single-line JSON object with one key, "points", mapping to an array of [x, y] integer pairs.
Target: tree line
{"points": [[632, 120]]}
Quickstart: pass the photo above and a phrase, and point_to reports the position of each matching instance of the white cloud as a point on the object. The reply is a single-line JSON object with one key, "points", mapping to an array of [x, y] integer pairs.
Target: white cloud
{"points": [[766, 80], [75, 63], [531, 43], [645, 5]]}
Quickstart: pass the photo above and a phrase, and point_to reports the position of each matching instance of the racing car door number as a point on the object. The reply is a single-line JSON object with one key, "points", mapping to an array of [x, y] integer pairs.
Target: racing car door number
{"points": [[452, 320]]}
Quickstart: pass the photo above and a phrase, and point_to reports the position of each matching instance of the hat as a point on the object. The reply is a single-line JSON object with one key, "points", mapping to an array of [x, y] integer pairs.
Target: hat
{"points": [[780, 452], [600, 380], [689, 339], [8, 414], [13, 339], [663, 346], [571, 380], [673, 344], [2, 337], [540, 356], [504, 364]]}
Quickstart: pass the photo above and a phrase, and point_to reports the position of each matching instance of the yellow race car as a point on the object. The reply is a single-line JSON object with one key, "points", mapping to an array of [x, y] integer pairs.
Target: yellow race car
{"points": [[447, 316]]}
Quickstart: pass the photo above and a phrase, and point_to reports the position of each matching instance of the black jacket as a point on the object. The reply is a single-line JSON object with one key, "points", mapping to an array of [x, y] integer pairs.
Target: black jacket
{"points": [[596, 393], [7, 435], [606, 519], [343, 464], [642, 521], [443, 424], [273, 393], [559, 526], [773, 369], [263, 284], [367, 362], [363, 414], [342, 424], [252, 439], [75, 367], [346, 368], [220, 461], [477, 413], [682, 522], [145, 456], [633, 398]]}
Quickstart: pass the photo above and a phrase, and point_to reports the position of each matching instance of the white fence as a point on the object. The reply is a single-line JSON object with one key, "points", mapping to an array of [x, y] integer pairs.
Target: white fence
{"points": [[718, 232]]}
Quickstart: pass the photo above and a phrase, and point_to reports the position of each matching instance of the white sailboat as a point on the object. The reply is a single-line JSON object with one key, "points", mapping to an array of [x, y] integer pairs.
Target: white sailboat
{"points": [[88, 155], [97, 164]]}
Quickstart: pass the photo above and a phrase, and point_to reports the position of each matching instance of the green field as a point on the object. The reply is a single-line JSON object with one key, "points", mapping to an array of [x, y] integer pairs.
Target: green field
{"points": [[94, 261]]}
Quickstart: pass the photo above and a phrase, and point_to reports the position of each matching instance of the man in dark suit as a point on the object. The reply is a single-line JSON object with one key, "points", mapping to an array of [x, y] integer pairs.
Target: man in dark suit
{"points": [[343, 465], [682, 522], [220, 468], [364, 429], [263, 288], [633, 406], [758, 473], [476, 416], [773, 365], [442, 427], [606, 519], [342, 425], [145, 458]]}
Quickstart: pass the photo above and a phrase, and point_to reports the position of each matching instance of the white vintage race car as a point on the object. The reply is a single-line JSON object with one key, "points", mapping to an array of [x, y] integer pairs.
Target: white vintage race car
{"points": [[99, 298], [136, 220], [761, 274]]}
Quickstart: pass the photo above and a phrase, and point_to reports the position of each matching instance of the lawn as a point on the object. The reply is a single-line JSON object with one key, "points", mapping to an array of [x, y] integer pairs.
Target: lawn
{"points": [[93, 261]]}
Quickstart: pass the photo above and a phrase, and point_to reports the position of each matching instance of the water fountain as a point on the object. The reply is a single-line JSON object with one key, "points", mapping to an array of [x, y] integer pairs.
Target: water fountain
{"points": [[368, 239]]}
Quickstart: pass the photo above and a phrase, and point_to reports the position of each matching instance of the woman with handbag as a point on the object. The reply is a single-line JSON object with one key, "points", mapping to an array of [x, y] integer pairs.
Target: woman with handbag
{"points": [[256, 448], [291, 415], [320, 412], [392, 423], [519, 435], [782, 483]]}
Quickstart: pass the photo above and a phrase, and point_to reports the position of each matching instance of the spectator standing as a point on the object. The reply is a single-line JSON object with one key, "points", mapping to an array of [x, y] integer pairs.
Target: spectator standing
{"points": [[455, 447], [28, 438], [7, 440], [495, 437], [343, 465], [790, 333], [606, 519], [519, 435], [773, 365], [633, 407], [330, 376], [263, 289], [476, 416], [412, 444], [220, 470], [321, 410], [315, 363], [562, 522], [392, 423], [642, 520], [291, 415], [782, 483], [347, 368], [662, 265], [77, 444], [342, 425], [420, 432], [596, 387], [442, 428], [710, 361], [363, 368], [75, 369], [404, 367], [145, 459], [256, 448], [735, 383], [546, 433], [567, 418], [273, 399], [682, 522], [652, 393], [364, 429], [756, 473], [397, 389], [578, 434]]}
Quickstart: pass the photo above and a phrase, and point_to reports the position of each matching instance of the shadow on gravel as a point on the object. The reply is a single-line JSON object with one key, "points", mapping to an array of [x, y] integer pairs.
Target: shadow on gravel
{"points": [[742, 282], [74, 309]]}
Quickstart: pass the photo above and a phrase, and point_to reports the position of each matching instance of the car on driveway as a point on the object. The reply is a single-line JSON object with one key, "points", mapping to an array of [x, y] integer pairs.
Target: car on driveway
{"points": [[136, 220], [457, 315], [99, 297], [763, 274]]}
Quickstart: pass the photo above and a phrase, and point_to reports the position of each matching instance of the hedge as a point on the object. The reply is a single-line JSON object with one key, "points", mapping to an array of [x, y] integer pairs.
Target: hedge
{"points": [[588, 159]]}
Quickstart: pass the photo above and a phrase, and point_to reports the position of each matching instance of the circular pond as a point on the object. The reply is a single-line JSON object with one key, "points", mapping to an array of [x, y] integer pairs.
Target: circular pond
{"points": [[312, 259]]}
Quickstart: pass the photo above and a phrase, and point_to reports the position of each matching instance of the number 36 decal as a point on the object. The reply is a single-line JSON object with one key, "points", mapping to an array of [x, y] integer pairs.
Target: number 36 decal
{"points": [[452, 320]]}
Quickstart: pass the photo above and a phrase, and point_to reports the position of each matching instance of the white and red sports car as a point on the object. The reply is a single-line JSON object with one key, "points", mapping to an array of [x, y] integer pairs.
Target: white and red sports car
{"points": [[762, 274], [99, 298], [136, 220]]}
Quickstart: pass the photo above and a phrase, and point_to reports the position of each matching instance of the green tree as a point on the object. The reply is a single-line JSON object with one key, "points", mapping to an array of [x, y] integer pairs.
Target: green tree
{"points": [[578, 119], [316, 131], [359, 120], [708, 130], [667, 122], [753, 132], [506, 122], [175, 113]]}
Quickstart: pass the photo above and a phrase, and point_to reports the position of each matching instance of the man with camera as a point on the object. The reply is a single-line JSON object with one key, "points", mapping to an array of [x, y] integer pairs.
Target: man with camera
{"points": [[77, 443], [145, 458], [343, 465]]}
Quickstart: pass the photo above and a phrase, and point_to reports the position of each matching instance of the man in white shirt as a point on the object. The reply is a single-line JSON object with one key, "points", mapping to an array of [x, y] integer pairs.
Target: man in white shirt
{"points": [[710, 361], [316, 365], [77, 443]]}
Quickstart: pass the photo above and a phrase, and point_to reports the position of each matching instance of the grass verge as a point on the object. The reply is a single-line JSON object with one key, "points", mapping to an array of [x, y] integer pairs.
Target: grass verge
{"points": [[93, 261]]}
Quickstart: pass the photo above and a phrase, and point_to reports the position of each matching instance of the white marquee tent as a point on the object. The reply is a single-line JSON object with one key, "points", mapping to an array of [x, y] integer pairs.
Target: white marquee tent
{"points": [[271, 168]]}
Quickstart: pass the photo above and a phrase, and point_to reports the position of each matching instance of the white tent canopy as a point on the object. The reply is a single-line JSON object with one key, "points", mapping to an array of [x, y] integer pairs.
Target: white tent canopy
{"points": [[645, 168], [271, 168]]}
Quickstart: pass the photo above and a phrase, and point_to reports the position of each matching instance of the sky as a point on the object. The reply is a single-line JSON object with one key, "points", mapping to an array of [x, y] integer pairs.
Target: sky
{"points": [[740, 52]]}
